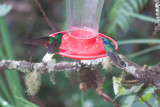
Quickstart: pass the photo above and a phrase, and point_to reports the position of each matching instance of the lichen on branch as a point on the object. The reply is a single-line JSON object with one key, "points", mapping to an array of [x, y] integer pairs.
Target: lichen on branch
{"points": [[146, 74]]}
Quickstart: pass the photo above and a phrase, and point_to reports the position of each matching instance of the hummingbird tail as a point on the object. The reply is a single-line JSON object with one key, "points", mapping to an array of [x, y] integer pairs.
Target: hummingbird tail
{"points": [[120, 63]]}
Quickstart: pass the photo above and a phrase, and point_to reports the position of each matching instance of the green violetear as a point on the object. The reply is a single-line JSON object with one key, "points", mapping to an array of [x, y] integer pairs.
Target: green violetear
{"points": [[111, 52]]}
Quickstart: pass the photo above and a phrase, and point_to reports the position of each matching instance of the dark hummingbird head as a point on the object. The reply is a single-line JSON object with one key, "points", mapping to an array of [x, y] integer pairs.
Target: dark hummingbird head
{"points": [[104, 40], [60, 34]]}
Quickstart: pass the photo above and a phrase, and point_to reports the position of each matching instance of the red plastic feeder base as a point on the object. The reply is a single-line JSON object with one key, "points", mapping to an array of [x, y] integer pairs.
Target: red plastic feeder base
{"points": [[82, 48]]}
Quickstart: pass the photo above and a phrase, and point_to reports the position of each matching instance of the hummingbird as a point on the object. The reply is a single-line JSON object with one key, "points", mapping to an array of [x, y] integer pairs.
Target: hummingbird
{"points": [[53, 44], [111, 52]]}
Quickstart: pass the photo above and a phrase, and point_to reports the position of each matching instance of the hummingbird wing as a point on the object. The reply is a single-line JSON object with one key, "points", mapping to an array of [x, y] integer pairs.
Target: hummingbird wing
{"points": [[113, 57], [42, 41]]}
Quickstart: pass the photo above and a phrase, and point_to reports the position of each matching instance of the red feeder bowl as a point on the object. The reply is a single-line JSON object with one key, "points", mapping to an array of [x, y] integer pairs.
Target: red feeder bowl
{"points": [[82, 48]]}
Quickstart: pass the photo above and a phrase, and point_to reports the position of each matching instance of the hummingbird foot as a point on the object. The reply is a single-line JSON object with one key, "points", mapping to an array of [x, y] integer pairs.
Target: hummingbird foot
{"points": [[47, 57]]}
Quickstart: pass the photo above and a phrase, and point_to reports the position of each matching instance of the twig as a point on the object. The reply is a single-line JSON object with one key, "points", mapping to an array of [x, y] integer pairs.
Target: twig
{"points": [[143, 100], [44, 15], [107, 97]]}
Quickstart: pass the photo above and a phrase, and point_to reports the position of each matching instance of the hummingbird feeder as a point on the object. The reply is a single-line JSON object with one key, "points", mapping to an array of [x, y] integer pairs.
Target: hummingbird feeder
{"points": [[83, 17]]}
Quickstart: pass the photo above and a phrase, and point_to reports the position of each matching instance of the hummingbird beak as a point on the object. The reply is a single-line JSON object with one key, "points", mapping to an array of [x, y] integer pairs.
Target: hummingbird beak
{"points": [[67, 32], [99, 37]]}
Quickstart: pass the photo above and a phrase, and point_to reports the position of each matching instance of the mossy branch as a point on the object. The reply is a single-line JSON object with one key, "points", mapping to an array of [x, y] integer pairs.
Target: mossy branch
{"points": [[25, 66], [146, 74]]}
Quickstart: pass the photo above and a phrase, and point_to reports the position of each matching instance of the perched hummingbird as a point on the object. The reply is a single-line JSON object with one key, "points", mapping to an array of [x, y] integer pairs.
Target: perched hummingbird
{"points": [[53, 44], [111, 52]]}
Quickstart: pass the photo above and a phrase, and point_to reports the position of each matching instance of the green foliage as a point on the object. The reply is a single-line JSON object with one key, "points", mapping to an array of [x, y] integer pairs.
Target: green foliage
{"points": [[12, 77], [129, 100], [141, 41], [131, 95], [132, 90], [25, 103], [142, 17], [117, 86], [120, 90], [138, 41], [14, 86], [158, 100], [82, 99], [4, 103], [143, 51], [145, 97], [147, 94], [5, 91], [121, 13]]}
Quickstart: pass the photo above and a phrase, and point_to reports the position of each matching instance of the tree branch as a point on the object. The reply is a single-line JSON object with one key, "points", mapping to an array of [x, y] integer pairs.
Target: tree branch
{"points": [[25, 66], [148, 75]]}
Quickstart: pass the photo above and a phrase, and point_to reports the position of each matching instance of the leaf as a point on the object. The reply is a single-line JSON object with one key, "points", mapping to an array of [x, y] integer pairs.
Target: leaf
{"points": [[134, 5], [132, 90], [127, 7], [138, 41], [157, 98], [4, 103], [139, 16], [147, 93], [4, 90], [131, 8], [157, 101], [143, 51], [141, 3], [129, 101], [150, 90], [145, 97], [5, 9], [14, 87], [121, 21], [25, 102], [118, 88], [121, 90]]}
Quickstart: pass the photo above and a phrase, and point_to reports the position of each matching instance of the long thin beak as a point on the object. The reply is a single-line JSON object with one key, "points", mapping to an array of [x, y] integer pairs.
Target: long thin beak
{"points": [[67, 32], [99, 37]]}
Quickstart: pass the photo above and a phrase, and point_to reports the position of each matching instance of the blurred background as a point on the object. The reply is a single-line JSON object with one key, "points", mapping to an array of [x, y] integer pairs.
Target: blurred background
{"points": [[25, 21]]}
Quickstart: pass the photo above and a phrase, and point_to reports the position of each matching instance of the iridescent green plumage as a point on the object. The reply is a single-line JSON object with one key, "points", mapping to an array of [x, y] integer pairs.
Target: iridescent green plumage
{"points": [[111, 52], [53, 43]]}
